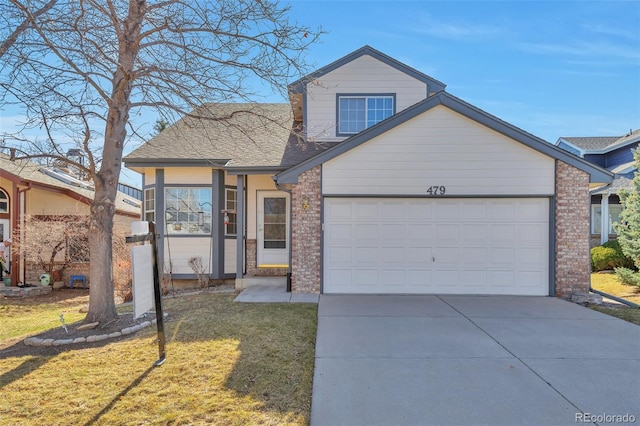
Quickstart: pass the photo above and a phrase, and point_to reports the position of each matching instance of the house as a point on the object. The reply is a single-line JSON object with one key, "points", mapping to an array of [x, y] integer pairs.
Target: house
{"points": [[374, 179], [30, 190], [615, 153]]}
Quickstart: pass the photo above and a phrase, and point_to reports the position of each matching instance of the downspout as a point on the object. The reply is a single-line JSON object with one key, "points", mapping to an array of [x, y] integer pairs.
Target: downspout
{"points": [[617, 299], [289, 268]]}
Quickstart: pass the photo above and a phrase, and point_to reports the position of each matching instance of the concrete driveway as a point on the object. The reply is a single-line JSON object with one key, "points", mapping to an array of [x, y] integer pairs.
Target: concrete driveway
{"points": [[472, 360]]}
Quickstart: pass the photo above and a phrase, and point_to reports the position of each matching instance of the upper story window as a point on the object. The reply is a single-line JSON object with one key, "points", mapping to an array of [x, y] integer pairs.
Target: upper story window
{"points": [[357, 112], [4, 202]]}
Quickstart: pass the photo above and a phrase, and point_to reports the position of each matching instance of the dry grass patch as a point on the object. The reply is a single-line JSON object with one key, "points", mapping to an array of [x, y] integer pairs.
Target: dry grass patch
{"points": [[227, 364], [610, 284], [20, 318]]}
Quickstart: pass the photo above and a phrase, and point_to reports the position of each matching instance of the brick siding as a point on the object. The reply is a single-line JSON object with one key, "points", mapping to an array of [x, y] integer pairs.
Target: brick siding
{"points": [[306, 225], [573, 267], [252, 263]]}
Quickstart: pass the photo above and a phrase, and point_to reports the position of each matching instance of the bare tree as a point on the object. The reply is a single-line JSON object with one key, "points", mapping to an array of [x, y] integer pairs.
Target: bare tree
{"points": [[84, 68], [54, 242]]}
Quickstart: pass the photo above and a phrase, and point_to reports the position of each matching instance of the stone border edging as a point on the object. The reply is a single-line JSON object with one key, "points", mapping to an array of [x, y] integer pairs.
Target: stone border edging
{"points": [[36, 341]]}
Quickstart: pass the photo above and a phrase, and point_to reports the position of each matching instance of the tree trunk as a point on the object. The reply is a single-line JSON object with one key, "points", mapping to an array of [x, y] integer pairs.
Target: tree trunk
{"points": [[101, 298]]}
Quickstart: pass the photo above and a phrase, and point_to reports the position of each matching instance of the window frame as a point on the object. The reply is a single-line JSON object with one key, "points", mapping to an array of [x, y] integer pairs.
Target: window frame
{"points": [[366, 97], [150, 213], [188, 213], [4, 199], [596, 209], [233, 217]]}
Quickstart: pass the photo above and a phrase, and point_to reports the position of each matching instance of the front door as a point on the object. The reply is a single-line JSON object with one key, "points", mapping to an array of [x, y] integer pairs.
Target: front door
{"points": [[273, 229]]}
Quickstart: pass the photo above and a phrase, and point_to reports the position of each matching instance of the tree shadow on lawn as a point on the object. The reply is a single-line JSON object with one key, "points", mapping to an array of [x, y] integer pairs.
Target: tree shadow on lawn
{"points": [[275, 349], [28, 366], [271, 361]]}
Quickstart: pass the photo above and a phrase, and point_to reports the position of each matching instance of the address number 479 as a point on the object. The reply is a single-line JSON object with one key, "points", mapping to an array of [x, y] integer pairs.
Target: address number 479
{"points": [[436, 190]]}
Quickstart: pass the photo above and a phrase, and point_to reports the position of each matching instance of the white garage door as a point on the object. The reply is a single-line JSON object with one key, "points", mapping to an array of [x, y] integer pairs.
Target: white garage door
{"points": [[440, 246]]}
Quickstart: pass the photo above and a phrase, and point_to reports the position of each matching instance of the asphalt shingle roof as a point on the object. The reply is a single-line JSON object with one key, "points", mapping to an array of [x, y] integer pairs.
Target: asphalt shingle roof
{"points": [[596, 143], [231, 134], [33, 172], [592, 142]]}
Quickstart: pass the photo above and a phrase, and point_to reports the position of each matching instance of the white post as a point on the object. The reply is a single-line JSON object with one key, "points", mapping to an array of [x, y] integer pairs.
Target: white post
{"points": [[604, 219]]}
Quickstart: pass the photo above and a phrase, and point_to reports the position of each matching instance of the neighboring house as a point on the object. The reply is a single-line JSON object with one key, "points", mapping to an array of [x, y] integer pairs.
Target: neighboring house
{"points": [[373, 180], [32, 190], [615, 153]]}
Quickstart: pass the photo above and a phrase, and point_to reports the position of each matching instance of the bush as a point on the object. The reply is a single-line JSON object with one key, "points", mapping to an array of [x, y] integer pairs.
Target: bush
{"points": [[628, 276], [609, 256]]}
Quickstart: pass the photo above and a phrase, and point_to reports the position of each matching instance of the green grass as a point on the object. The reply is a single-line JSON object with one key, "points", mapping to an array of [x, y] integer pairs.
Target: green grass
{"points": [[610, 284], [227, 364]]}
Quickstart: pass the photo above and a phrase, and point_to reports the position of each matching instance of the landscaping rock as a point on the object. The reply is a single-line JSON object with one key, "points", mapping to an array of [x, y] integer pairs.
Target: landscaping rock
{"points": [[89, 326]]}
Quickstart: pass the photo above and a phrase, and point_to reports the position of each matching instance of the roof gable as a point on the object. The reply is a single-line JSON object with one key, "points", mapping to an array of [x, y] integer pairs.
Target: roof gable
{"points": [[433, 85], [597, 174]]}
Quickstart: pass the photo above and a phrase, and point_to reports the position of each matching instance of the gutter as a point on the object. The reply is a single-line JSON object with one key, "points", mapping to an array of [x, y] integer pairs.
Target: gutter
{"points": [[617, 299]]}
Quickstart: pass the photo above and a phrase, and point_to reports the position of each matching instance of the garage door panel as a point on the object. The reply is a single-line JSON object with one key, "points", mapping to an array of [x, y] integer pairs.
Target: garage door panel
{"points": [[365, 210], [418, 212], [340, 256], [446, 211], [448, 246], [446, 256], [531, 233], [420, 232], [473, 257], [528, 258], [393, 255], [340, 233], [503, 234], [392, 232], [474, 233], [365, 256], [447, 234], [366, 277]]}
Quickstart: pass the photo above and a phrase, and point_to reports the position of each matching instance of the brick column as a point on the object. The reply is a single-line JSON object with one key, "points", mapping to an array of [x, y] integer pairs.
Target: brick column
{"points": [[306, 201], [573, 267]]}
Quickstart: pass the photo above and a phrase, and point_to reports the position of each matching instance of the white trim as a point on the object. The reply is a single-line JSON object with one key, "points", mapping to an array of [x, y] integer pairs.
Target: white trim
{"points": [[271, 257], [604, 218]]}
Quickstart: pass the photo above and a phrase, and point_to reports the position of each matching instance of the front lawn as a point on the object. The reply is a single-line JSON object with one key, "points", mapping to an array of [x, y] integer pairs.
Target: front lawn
{"points": [[227, 364], [610, 284]]}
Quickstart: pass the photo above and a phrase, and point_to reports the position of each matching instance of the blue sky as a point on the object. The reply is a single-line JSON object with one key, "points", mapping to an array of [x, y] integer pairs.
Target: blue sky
{"points": [[554, 69], [562, 68]]}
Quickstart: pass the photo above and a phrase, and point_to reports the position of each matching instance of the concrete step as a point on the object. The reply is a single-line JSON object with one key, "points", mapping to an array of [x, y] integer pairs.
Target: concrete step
{"points": [[261, 282]]}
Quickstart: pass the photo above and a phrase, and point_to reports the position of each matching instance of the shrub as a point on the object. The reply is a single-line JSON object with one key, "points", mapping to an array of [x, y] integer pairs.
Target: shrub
{"points": [[628, 276], [609, 256]]}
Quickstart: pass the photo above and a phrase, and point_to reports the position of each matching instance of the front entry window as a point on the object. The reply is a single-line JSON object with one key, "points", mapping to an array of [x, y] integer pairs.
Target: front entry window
{"points": [[188, 210], [275, 223]]}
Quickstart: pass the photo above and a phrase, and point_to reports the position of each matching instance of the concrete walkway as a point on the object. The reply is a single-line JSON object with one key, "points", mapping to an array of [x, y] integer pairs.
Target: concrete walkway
{"points": [[465, 360], [274, 294]]}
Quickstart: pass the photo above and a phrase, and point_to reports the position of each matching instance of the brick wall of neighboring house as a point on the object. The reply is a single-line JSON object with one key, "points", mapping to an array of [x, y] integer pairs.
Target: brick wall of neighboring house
{"points": [[252, 263], [306, 225], [573, 267], [33, 272]]}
